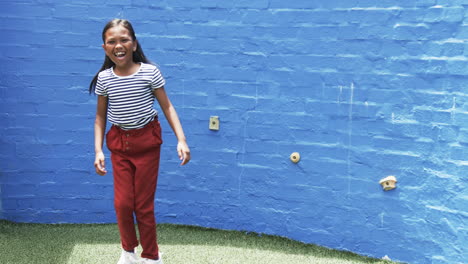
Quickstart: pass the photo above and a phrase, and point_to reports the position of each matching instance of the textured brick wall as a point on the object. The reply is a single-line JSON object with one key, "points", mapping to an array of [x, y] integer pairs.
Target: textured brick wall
{"points": [[362, 89]]}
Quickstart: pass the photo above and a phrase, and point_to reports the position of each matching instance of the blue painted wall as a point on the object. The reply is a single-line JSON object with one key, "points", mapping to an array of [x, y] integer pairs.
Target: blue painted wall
{"points": [[362, 89]]}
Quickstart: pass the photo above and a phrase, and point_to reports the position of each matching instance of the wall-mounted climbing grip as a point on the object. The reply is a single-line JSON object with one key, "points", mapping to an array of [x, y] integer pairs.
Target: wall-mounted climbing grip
{"points": [[295, 157], [388, 183]]}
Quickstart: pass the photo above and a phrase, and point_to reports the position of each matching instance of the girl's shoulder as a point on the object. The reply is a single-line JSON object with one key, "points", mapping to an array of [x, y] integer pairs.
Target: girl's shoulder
{"points": [[148, 66], [150, 69], [105, 73]]}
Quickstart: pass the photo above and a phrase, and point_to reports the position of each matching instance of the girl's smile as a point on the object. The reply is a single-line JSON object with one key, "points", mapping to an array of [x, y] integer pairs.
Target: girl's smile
{"points": [[119, 46]]}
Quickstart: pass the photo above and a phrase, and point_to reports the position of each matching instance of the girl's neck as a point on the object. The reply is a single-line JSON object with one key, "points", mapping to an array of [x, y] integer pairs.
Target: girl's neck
{"points": [[126, 70]]}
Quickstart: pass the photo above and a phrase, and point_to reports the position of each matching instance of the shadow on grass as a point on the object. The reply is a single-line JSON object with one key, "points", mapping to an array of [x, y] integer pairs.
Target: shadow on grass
{"points": [[192, 235], [54, 243]]}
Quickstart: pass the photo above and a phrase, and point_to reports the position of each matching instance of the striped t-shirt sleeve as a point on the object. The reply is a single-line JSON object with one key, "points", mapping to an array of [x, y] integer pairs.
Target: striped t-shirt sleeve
{"points": [[100, 89], [157, 80]]}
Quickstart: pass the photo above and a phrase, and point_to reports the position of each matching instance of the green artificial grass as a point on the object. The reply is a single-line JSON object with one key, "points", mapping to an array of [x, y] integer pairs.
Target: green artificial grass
{"points": [[99, 243]]}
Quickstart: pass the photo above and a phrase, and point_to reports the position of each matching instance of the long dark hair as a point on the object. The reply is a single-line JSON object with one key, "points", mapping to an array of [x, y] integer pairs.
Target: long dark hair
{"points": [[138, 55]]}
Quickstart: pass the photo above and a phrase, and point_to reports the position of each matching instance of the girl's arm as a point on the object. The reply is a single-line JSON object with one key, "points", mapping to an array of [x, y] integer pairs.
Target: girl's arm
{"points": [[99, 130], [173, 119]]}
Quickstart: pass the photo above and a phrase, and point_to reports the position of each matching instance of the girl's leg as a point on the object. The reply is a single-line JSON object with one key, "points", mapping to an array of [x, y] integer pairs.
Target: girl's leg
{"points": [[146, 178], [124, 201]]}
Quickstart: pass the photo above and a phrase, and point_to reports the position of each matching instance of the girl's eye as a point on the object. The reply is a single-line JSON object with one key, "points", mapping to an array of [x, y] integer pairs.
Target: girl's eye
{"points": [[111, 42], [125, 40]]}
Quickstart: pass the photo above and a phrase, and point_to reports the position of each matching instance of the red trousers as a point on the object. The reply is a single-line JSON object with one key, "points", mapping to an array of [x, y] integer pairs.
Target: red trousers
{"points": [[135, 162]]}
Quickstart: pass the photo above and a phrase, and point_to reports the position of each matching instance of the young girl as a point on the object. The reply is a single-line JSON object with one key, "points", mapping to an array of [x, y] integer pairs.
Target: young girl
{"points": [[126, 86]]}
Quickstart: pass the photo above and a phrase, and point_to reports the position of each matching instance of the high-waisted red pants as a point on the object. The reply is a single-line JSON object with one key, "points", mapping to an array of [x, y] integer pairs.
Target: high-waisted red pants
{"points": [[135, 162]]}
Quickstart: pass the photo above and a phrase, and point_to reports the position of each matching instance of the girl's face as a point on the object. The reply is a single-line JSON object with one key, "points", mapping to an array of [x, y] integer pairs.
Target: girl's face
{"points": [[119, 46]]}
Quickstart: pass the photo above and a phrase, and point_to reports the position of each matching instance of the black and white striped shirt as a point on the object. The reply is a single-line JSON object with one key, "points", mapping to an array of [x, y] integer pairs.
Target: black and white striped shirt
{"points": [[130, 97]]}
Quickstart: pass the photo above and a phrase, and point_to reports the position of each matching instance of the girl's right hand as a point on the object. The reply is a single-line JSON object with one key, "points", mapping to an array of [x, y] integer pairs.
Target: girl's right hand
{"points": [[99, 164]]}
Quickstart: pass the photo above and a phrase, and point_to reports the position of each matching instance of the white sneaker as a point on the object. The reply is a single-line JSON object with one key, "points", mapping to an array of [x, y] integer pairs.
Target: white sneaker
{"points": [[152, 261], [128, 258]]}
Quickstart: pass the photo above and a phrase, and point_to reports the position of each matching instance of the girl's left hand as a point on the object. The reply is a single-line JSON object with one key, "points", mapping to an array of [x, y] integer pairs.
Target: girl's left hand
{"points": [[184, 152]]}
